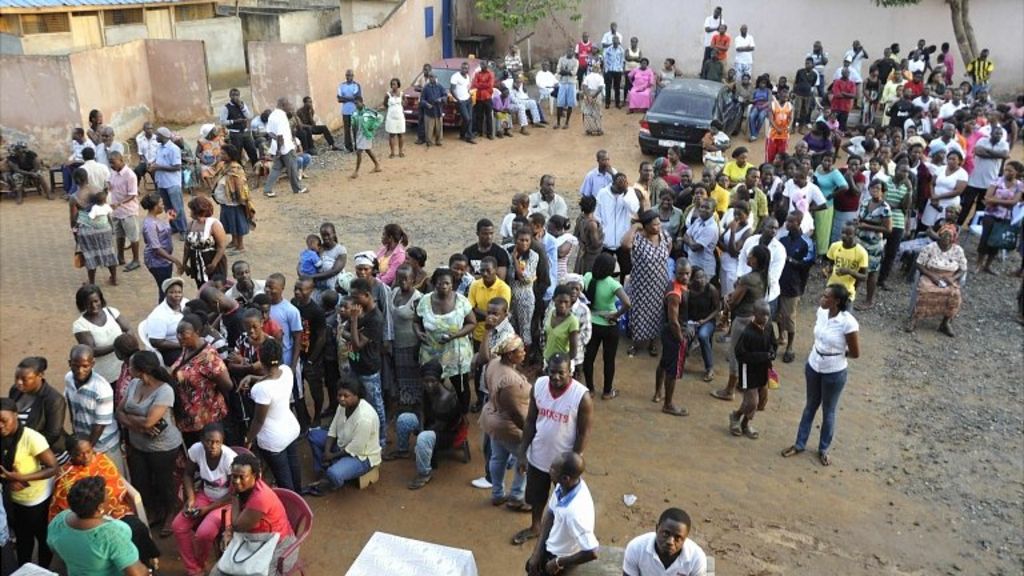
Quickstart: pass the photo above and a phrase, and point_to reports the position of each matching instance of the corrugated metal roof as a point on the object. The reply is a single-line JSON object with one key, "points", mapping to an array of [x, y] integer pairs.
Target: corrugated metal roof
{"points": [[76, 3]]}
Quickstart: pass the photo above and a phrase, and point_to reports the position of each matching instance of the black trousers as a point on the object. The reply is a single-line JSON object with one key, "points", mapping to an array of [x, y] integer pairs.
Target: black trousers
{"points": [[606, 337], [320, 130], [892, 246], [842, 117], [243, 140], [349, 132], [29, 524], [141, 537], [707, 56], [461, 383], [150, 473], [483, 118], [332, 378], [613, 81], [972, 196]]}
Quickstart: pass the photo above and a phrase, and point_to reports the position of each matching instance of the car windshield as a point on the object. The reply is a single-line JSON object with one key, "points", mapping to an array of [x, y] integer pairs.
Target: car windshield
{"points": [[687, 105], [444, 76]]}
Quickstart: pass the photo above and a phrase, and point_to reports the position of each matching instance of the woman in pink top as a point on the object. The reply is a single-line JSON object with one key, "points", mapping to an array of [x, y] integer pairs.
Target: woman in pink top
{"points": [[641, 93], [391, 253]]}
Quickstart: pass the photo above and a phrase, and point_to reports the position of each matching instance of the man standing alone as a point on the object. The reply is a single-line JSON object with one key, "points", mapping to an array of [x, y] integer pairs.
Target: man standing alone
{"points": [[348, 91]]}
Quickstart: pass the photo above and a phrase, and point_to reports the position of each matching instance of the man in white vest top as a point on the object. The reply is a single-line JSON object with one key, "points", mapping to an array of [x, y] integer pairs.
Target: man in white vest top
{"points": [[558, 422]]}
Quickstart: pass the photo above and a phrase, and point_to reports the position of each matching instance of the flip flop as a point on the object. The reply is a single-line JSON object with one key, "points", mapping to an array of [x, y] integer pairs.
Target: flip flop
{"points": [[824, 458], [518, 506], [312, 490], [709, 376], [788, 357], [791, 451], [523, 536], [611, 395], [133, 265], [721, 395], [674, 411]]}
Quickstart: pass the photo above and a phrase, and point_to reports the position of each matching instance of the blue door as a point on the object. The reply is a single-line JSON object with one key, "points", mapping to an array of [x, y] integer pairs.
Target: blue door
{"points": [[447, 29]]}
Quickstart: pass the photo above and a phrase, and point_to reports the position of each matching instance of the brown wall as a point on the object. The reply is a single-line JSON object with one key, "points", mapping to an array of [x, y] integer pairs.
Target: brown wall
{"points": [[127, 102], [276, 70], [29, 81], [396, 49], [181, 89]]}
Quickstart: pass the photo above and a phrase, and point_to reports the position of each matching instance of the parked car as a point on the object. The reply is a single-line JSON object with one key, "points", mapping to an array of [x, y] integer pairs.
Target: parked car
{"points": [[682, 113], [444, 69]]}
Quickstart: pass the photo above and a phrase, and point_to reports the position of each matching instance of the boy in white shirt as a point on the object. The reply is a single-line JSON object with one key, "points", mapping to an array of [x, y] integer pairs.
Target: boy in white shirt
{"points": [[666, 551]]}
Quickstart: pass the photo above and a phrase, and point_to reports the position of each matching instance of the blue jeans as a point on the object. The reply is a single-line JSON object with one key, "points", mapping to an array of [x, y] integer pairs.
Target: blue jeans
{"points": [[466, 113], [317, 439], [284, 465], [376, 399], [756, 121], [705, 336], [347, 468], [503, 455], [173, 200], [822, 390], [407, 425]]}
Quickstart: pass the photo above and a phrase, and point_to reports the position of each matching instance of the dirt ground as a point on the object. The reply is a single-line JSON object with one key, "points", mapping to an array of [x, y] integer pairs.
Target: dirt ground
{"points": [[928, 474]]}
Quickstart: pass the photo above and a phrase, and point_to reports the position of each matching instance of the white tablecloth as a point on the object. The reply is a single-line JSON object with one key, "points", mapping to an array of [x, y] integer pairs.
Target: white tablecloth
{"points": [[390, 555]]}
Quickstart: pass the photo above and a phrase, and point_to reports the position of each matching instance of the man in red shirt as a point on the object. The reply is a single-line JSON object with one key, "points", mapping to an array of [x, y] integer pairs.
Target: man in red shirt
{"points": [[583, 50], [483, 83], [915, 87], [720, 42], [844, 91]]}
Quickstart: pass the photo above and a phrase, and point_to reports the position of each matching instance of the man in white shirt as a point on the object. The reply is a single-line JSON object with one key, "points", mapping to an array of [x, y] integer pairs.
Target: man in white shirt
{"points": [[567, 531], [245, 288], [147, 145], [282, 149], [855, 56], [546, 82], [460, 91], [617, 205], [989, 153], [744, 60], [546, 201], [804, 196], [107, 145], [668, 551], [98, 173], [711, 24], [769, 229], [951, 103], [613, 31], [854, 74]]}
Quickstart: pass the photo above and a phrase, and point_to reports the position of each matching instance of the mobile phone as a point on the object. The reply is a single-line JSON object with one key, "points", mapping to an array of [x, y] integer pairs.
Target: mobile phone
{"points": [[161, 425]]}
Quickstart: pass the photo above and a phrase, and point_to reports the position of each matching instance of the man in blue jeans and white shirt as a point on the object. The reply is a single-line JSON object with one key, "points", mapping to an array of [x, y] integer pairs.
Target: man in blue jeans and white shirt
{"points": [[282, 149], [166, 172], [367, 327]]}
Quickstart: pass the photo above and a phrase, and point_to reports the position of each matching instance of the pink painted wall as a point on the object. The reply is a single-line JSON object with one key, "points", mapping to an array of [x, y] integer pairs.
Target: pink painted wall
{"points": [[115, 80], [178, 75], [28, 82], [277, 69]]}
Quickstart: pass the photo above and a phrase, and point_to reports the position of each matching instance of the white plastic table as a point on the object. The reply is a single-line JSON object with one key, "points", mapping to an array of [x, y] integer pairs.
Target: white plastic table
{"points": [[390, 554]]}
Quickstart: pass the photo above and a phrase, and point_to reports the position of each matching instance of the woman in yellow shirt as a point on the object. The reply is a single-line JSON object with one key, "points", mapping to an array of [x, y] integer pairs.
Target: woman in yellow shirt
{"points": [[720, 194], [737, 168]]}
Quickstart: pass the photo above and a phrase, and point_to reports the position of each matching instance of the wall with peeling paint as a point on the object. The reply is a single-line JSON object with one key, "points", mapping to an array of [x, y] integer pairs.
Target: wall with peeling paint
{"points": [[115, 80], [27, 82], [225, 60], [181, 89], [276, 70]]}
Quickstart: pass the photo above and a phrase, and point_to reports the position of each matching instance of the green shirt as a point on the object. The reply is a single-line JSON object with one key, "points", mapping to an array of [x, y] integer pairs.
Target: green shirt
{"points": [[558, 340], [105, 550], [894, 194], [604, 298]]}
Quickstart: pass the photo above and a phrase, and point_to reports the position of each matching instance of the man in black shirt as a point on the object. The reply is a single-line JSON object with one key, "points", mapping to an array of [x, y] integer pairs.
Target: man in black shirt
{"points": [[804, 82], [235, 119], [901, 109], [799, 258], [485, 246], [885, 64], [311, 350], [366, 323]]}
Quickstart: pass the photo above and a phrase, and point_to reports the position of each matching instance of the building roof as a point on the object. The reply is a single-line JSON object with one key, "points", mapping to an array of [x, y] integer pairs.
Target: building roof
{"points": [[30, 4]]}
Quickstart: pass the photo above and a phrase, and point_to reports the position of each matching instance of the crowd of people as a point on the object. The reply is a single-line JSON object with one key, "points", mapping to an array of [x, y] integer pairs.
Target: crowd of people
{"points": [[377, 358]]}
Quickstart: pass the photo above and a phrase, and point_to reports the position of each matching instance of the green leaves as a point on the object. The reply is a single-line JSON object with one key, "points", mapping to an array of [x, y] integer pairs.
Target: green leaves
{"points": [[517, 14]]}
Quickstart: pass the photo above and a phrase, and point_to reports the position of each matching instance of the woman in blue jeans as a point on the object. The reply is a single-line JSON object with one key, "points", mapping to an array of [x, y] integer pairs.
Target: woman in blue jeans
{"points": [[274, 429], [835, 340], [703, 307], [350, 447]]}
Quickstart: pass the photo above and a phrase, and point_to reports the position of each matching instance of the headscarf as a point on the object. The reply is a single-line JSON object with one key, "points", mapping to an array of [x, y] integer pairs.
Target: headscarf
{"points": [[952, 229], [573, 278], [509, 344], [365, 258]]}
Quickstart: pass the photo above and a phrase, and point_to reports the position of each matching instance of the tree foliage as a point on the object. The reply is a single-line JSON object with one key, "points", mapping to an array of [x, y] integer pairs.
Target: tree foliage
{"points": [[519, 15], [959, 11]]}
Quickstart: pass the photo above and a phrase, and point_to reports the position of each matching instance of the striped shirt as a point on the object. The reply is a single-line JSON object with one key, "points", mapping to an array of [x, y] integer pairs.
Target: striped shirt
{"points": [[92, 404], [980, 70]]}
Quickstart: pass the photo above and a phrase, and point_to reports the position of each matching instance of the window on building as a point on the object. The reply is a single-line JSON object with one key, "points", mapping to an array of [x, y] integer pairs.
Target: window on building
{"points": [[193, 12], [45, 23], [122, 17], [9, 24]]}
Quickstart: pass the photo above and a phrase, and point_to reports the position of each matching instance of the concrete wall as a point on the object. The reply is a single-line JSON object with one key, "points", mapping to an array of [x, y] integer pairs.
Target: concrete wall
{"points": [[10, 44], [127, 101], [114, 35], [303, 26], [27, 82], [358, 15], [225, 59], [784, 30], [55, 44], [260, 27], [181, 89], [277, 70]]}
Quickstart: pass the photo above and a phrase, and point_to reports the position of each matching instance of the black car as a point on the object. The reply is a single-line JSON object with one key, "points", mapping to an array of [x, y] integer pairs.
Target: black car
{"points": [[682, 113]]}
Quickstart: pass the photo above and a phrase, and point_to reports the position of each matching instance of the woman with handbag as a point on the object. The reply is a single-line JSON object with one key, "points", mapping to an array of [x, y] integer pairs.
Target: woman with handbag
{"points": [[1002, 196], [258, 521]]}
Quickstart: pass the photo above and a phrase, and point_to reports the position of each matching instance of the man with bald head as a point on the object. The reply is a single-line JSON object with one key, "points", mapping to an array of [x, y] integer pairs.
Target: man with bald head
{"points": [[282, 149], [91, 402], [567, 531]]}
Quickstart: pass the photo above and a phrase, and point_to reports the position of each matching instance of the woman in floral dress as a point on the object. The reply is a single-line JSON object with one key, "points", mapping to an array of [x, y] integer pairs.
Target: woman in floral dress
{"points": [[650, 247], [522, 275], [444, 320], [202, 381]]}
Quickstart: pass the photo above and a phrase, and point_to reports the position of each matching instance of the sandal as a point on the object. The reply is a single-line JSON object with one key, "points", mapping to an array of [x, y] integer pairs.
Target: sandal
{"points": [[788, 357], [824, 458], [312, 490], [631, 352], [653, 351], [709, 375], [523, 536], [166, 531], [791, 451], [735, 424], [518, 506], [751, 432], [675, 411], [610, 395], [722, 395]]}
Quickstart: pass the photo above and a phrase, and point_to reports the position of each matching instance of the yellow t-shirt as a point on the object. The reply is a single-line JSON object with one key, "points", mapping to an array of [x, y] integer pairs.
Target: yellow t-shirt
{"points": [[721, 197], [855, 258], [480, 295], [736, 174], [31, 445]]}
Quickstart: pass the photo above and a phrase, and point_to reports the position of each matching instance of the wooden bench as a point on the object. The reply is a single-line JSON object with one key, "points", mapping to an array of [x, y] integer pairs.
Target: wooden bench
{"points": [[369, 478]]}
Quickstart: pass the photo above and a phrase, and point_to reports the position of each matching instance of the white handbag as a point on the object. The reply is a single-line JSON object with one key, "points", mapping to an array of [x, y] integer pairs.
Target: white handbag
{"points": [[249, 554]]}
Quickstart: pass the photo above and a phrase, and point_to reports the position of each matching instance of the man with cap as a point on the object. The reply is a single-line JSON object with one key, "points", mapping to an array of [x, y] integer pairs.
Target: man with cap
{"points": [[166, 172], [567, 533]]}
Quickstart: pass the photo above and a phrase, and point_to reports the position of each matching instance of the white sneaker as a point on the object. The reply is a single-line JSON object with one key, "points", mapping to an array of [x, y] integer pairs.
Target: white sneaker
{"points": [[481, 483]]}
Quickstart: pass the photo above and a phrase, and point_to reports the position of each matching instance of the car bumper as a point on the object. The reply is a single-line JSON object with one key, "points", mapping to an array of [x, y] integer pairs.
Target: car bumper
{"points": [[651, 145]]}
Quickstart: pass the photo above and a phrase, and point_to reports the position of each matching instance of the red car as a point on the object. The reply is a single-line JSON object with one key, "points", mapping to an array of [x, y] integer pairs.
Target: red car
{"points": [[444, 69]]}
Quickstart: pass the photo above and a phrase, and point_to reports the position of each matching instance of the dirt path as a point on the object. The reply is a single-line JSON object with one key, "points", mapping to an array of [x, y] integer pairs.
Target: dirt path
{"points": [[928, 455]]}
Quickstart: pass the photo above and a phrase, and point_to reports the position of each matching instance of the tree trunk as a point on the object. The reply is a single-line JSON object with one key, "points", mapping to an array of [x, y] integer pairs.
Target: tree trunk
{"points": [[962, 29]]}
